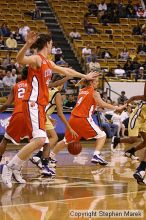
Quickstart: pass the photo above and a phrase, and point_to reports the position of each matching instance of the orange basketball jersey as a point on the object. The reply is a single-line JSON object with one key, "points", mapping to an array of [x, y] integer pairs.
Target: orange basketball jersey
{"points": [[85, 103], [19, 91], [38, 82]]}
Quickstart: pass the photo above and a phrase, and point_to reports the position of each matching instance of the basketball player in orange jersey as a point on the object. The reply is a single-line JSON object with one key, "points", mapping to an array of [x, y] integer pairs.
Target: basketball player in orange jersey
{"points": [[15, 131], [36, 98], [82, 123]]}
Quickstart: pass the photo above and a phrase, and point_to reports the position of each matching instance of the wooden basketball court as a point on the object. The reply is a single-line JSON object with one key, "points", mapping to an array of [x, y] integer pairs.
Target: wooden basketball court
{"points": [[78, 186]]}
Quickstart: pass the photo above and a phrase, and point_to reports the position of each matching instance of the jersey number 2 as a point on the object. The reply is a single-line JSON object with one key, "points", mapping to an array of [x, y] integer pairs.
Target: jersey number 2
{"points": [[21, 92]]}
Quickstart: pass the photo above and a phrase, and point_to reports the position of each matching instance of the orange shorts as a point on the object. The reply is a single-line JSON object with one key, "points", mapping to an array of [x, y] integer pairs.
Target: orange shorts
{"points": [[35, 117], [84, 127], [17, 128]]}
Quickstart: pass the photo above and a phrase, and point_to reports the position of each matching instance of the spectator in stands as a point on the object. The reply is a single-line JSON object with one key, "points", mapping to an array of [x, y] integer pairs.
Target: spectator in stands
{"points": [[70, 103], [119, 71], [106, 98], [74, 35], [113, 16], [14, 75], [109, 128], [127, 68], [97, 53], [92, 8], [142, 48], [87, 53], [124, 54], [18, 36], [132, 54], [90, 29], [140, 74], [141, 13], [6, 61], [137, 30], [130, 11], [121, 9], [102, 6], [5, 31], [116, 119], [36, 14], [122, 99], [23, 31], [53, 49], [11, 65], [93, 65], [111, 6], [106, 54], [58, 55], [135, 65], [11, 43], [8, 79], [2, 43]]}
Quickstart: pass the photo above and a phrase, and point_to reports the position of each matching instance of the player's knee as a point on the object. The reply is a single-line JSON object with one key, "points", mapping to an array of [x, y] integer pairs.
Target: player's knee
{"points": [[41, 142], [102, 135]]}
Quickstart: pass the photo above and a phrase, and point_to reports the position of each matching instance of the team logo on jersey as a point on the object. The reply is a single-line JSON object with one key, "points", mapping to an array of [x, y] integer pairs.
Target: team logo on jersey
{"points": [[47, 73]]}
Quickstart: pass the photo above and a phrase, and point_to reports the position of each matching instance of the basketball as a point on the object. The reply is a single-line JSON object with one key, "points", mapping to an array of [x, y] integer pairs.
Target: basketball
{"points": [[74, 148]]}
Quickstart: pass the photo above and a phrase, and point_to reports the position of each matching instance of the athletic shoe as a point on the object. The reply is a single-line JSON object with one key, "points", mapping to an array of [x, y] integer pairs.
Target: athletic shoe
{"points": [[52, 163], [130, 155], [98, 159], [139, 176], [47, 171], [7, 176], [37, 161], [115, 142], [18, 177]]}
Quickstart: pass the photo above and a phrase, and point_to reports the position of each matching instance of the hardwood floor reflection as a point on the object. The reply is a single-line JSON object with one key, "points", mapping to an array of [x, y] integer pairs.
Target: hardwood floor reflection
{"points": [[77, 186]]}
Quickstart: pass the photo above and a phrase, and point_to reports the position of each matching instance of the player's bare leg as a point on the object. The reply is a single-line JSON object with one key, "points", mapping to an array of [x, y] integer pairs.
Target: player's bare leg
{"points": [[3, 146]]}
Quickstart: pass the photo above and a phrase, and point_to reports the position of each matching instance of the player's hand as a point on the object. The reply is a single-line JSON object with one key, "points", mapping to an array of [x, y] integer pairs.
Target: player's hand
{"points": [[73, 133], [91, 75], [31, 37], [121, 108]]}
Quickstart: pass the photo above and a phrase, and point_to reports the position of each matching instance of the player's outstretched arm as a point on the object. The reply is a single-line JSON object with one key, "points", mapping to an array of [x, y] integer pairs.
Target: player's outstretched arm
{"points": [[8, 102], [72, 73], [103, 104]]}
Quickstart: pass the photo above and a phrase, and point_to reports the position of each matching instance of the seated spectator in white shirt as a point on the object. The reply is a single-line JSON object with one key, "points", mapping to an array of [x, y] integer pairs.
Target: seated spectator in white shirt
{"points": [[102, 6], [116, 119], [8, 79], [86, 53], [119, 71], [11, 43], [74, 35], [24, 31]]}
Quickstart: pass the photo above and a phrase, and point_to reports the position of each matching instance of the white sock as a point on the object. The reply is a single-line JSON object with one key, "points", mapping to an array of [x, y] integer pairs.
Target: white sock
{"points": [[16, 163], [96, 152], [52, 155]]}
